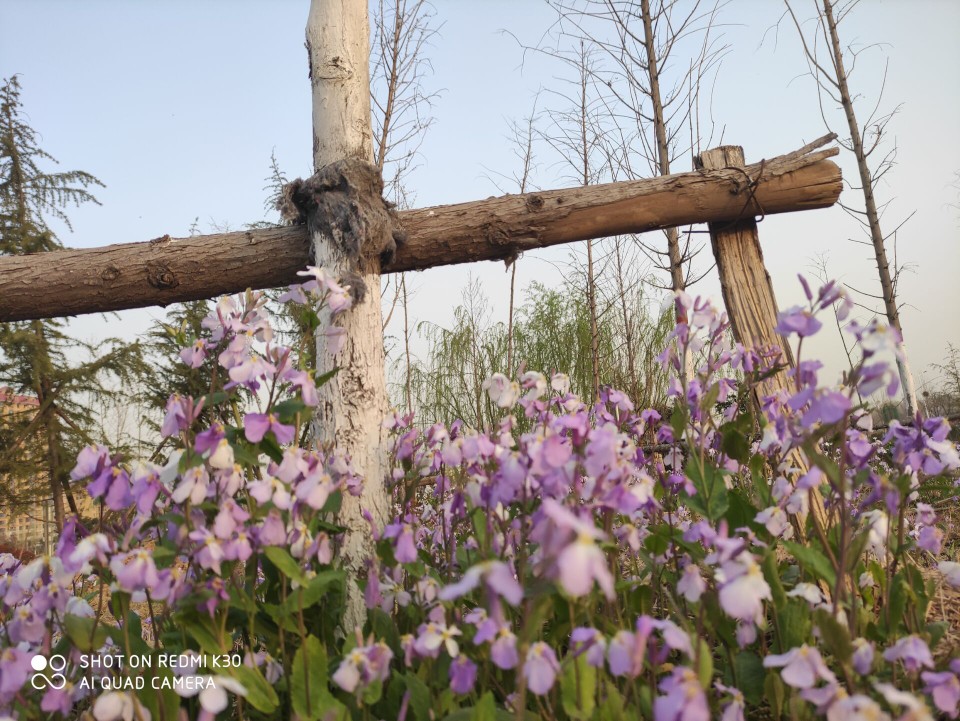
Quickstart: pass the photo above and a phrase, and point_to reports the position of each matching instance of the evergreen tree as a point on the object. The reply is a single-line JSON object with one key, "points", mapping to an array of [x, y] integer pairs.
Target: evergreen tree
{"points": [[39, 357]]}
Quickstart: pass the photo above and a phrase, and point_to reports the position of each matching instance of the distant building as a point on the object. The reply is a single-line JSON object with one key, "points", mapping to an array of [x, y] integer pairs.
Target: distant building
{"points": [[29, 524]]}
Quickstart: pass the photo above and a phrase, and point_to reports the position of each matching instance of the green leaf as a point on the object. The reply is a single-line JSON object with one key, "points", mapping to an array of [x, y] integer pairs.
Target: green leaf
{"points": [[288, 409], [260, 694], [268, 444], [202, 630], [309, 695], [771, 573], [578, 688], [775, 693], [834, 635], [419, 697], [711, 498], [705, 665], [612, 708], [316, 588], [813, 561], [794, 623], [286, 564], [80, 629], [751, 676]]}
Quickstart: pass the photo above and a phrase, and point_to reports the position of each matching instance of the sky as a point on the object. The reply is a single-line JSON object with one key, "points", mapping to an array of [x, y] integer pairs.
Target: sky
{"points": [[177, 107]]}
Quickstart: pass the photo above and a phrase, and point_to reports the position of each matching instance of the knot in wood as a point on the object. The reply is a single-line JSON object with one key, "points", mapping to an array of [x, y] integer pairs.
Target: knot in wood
{"points": [[109, 273], [534, 203], [161, 277], [496, 233]]}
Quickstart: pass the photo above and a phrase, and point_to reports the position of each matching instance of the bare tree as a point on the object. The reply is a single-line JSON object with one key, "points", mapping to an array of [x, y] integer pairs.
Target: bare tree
{"points": [[400, 105], [654, 58], [823, 52]]}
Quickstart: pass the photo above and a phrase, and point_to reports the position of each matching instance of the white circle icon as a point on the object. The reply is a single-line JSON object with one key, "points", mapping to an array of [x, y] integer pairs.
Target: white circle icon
{"points": [[38, 662]]}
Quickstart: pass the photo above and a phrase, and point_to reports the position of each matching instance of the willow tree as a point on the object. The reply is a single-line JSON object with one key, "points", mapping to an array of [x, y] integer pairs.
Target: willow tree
{"points": [[39, 357]]}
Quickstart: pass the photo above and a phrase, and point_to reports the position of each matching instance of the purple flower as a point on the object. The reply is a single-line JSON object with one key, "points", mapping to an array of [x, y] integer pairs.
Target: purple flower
{"points": [[691, 584], [930, 539], [862, 656], [826, 407], [743, 588], [944, 689], [591, 642], [135, 571], [195, 354], [620, 653], [912, 651], [855, 708], [797, 320], [503, 651], [362, 666], [683, 699], [541, 668], [14, 670], [802, 667], [256, 425], [405, 549], [463, 675], [498, 577]]}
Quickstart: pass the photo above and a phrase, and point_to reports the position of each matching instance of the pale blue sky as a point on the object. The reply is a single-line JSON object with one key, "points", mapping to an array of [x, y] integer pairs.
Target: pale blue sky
{"points": [[176, 106]]}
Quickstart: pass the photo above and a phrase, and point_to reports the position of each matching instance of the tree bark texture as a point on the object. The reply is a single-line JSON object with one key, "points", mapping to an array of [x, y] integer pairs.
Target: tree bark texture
{"points": [[173, 270], [749, 298], [353, 404], [873, 215]]}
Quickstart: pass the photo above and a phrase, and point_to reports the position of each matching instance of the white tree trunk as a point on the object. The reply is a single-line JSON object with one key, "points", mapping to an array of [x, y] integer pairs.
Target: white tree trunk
{"points": [[354, 403]]}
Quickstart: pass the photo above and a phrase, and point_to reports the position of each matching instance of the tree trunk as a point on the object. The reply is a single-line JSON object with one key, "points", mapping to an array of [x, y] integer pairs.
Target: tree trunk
{"points": [[873, 216], [354, 403]]}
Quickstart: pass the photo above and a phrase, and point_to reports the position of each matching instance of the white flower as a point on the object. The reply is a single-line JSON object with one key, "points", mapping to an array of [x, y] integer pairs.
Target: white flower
{"points": [[808, 592], [119, 706], [504, 392], [951, 572], [560, 382], [776, 522]]}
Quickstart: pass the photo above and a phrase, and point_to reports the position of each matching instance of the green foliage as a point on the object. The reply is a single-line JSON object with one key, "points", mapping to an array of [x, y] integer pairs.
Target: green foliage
{"points": [[551, 332], [39, 358]]}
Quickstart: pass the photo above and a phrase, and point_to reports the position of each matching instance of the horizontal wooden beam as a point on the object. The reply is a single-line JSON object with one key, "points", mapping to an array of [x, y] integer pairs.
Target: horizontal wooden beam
{"points": [[171, 270]]}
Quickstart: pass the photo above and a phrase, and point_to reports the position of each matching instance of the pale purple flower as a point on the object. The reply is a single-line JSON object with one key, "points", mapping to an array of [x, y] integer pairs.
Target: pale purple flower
{"points": [[802, 667], [194, 485], [862, 656], [195, 354], [620, 653], [540, 668], [303, 381], [591, 643], [826, 407], [497, 576], [463, 675], [743, 588], [405, 548], [856, 708], [580, 564], [797, 320], [362, 666], [135, 571], [930, 539], [912, 651], [691, 584], [775, 521], [256, 425], [809, 592], [436, 635], [683, 699], [503, 651], [14, 670], [944, 689]]}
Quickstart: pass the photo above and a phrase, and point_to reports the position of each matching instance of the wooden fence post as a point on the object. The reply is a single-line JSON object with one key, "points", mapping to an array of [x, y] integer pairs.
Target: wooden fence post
{"points": [[747, 290]]}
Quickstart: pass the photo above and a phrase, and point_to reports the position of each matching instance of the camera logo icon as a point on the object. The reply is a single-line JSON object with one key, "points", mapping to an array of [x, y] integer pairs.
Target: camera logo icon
{"points": [[56, 664]]}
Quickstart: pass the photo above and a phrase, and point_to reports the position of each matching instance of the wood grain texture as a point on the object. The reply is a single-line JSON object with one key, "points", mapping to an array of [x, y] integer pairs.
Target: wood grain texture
{"points": [[170, 270]]}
